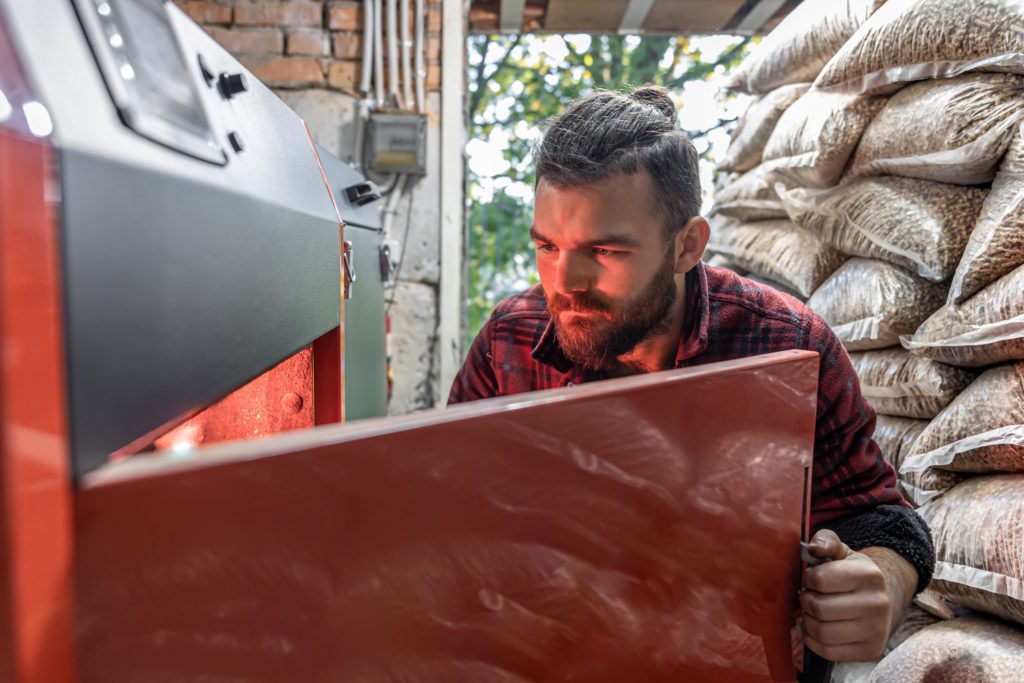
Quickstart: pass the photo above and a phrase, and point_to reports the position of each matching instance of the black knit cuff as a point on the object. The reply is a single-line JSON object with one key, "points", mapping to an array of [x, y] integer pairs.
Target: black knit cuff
{"points": [[898, 528]]}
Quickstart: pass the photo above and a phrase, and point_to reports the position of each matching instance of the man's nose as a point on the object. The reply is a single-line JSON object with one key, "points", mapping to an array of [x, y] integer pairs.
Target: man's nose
{"points": [[571, 273]]}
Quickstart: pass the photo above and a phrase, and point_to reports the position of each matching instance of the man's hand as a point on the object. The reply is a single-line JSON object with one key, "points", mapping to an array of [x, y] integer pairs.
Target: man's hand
{"points": [[852, 603]]}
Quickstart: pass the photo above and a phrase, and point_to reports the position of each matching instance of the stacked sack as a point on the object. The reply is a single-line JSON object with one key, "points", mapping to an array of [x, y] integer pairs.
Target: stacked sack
{"points": [[926, 213]]}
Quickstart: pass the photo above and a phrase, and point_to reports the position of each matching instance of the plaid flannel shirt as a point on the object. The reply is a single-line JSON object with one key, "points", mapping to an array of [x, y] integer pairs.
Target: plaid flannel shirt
{"points": [[729, 317]]}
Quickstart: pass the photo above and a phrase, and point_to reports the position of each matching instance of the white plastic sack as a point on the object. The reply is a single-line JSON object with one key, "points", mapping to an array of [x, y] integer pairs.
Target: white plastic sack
{"points": [[977, 530], [776, 250], [756, 125], [896, 382], [912, 40], [870, 303], [896, 437], [996, 245], [951, 131], [816, 136], [980, 432], [917, 224], [801, 44], [969, 649], [984, 330], [751, 197]]}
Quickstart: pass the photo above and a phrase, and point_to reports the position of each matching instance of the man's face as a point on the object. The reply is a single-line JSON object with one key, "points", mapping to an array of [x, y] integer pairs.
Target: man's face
{"points": [[607, 269]]}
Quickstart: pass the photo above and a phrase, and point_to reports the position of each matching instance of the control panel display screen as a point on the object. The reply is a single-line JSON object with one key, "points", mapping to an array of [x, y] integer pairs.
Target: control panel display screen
{"points": [[143, 64]]}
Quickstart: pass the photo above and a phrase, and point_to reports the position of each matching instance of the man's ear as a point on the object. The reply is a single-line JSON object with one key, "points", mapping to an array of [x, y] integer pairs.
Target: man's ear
{"points": [[690, 242]]}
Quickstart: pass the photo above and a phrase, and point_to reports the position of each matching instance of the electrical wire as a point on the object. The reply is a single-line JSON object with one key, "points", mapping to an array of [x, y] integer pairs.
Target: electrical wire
{"points": [[401, 252]]}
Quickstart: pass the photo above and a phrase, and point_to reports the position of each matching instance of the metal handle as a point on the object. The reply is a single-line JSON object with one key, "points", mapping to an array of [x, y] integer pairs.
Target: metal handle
{"points": [[350, 271]]}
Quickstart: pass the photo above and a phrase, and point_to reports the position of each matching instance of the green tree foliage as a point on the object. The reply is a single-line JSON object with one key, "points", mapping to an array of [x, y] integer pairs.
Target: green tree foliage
{"points": [[515, 87]]}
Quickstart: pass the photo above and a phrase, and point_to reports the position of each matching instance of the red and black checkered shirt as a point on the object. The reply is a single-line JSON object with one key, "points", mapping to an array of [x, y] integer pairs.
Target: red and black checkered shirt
{"points": [[727, 317]]}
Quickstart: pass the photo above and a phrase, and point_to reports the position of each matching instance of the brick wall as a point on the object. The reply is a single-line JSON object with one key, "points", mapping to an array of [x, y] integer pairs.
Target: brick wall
{"points": [[303, 43]]}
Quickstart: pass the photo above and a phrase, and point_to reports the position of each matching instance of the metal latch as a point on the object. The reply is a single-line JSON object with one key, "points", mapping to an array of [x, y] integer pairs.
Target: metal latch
{"points": [[350, 271], [362, 193]]}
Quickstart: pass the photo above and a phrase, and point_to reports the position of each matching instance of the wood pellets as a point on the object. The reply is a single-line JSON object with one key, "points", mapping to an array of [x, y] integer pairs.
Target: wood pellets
{"points": [[896, 437], [910, 40], [751, 197], [978, 528], [981, 431], [951, 131], [801, 44], [970, 649], [899, 383], [984, 330], [920, 225], [870, 303], [814, 139], [776, 250], [914, 620], [996, 245], [756, 125]]}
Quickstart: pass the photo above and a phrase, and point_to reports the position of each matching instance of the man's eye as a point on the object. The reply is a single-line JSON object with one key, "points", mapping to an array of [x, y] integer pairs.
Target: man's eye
{"points": [[601, 251], [546, 248]]}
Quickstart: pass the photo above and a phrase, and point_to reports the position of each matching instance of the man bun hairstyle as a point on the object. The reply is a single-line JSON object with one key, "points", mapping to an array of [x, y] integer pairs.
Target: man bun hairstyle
{"points": [[607, 134]]}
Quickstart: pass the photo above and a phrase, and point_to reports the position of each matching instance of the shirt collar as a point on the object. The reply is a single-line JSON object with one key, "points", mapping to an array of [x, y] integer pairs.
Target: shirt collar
{"points": [[692, 343]]}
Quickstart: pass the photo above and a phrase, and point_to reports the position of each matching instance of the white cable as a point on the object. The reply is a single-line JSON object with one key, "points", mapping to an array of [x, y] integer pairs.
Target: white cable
{"points": [[378, 52], [406, 57], [421, 99], [366, 83], [392, 52], [391, 206]]}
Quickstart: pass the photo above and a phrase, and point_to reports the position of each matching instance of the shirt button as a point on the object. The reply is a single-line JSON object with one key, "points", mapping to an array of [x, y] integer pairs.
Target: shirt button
{"points": [[570, 383]]}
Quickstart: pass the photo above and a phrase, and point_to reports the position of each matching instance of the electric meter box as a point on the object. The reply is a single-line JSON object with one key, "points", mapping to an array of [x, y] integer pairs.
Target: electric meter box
{"points": [[397, 143]]}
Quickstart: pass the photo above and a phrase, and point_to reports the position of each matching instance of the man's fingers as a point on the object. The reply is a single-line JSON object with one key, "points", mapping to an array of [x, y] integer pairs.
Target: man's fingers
{"points": [[856, 572], [842, 606], [833, 633], [825, 545], [857, 652]]}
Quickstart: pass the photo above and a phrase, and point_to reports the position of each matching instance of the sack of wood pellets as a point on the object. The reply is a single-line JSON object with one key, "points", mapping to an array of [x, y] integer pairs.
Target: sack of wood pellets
{"points": [[951, 131], [755, 127], [797, 49], [896, 437], [896, 382], [970, 649], [816, 136], [984, 330], [776, 250], [978, 550], [920, 225], [996, 245], [980, 432], [752, 197], [914, 619], [719, 261], [912, 40], [870, 303]]}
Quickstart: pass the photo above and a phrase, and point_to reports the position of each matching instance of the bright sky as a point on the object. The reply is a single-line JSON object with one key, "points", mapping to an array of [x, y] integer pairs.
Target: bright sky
{"points": [[700, 107]]}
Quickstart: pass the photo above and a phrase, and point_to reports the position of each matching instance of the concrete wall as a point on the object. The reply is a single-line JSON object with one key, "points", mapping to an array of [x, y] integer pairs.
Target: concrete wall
{"points": [[309, 52]]}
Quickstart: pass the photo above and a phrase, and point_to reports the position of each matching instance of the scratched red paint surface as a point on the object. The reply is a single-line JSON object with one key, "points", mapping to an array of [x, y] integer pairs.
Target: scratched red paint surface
{"points": [[637, 530]]}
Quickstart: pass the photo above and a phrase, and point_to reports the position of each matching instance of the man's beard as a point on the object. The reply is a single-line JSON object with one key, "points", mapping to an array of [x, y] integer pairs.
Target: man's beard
{"points": [[597, 343]]}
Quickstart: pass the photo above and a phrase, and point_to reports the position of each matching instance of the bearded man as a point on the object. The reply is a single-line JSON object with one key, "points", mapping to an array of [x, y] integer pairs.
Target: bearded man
{"points": [[623, 291]]}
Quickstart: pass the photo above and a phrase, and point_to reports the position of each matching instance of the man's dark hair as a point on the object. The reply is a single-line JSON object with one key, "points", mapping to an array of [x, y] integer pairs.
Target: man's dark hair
{"points": [[607, 134]]}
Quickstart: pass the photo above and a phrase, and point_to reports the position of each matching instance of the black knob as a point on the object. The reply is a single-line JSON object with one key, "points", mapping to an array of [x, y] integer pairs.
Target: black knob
{"points": [[232, 84], [362, 193], [236, 141]]}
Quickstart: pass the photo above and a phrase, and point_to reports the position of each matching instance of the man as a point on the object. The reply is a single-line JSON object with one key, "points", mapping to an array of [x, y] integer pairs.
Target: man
{"points": [[623, 291]]}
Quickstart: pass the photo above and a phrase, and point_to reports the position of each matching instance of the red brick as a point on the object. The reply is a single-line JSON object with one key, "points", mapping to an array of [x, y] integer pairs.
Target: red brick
{"points": [[307, 41], [343, 75], [434, 78], [348, 45], [345, 16], [249, 41], [285, 72], [434, 21], [284, 13], [206, 12]]}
